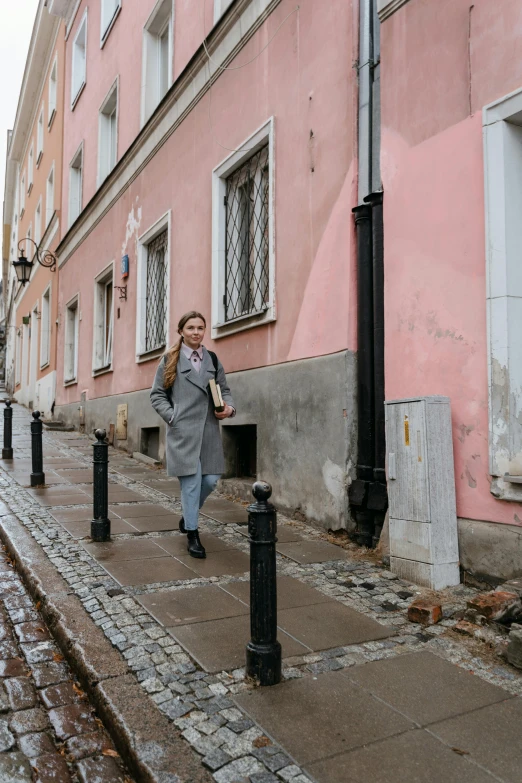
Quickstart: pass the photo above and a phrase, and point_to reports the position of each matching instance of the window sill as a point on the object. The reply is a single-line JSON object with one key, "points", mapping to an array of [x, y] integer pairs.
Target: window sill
{"points": [[243, 322], [51, 119], [44, 366], [102, 371], [77, 96], [70, 382], [39, 159], [157, 353], [22, 213], [109, 27], [29, 189]]}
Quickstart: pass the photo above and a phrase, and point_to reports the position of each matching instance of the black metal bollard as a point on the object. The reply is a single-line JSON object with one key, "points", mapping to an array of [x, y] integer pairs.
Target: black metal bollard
{"points": [[101, 524], [38, 475], [263, 652], [7, 451]]}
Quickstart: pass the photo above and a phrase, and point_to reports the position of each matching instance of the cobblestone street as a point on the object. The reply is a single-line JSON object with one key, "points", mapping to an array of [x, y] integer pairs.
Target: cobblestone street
{"points": [[181, 633], [48, 729]]}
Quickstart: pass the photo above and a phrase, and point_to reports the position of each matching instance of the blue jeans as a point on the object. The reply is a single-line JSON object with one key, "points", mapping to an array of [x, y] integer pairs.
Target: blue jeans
{"points": [[195, 489]]}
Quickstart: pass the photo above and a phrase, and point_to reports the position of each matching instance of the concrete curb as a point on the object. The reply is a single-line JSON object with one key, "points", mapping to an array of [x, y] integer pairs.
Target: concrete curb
{"points": [[150, 745]]}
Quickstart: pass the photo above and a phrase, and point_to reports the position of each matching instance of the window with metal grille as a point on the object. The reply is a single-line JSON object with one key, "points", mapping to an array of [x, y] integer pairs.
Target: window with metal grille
{"points": [[247, 238], [156, 292]]}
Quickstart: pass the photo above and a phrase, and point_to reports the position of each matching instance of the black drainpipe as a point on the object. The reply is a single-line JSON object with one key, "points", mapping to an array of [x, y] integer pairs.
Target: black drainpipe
{"points": [[368, 496], [377, 493], [358, 493]]}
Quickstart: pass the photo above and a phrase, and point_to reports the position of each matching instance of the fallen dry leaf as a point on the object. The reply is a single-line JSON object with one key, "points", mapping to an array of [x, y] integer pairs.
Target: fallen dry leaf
{"points": [[110, 752], [460, 752], [58, 657], [261, 742], [38, 604]]}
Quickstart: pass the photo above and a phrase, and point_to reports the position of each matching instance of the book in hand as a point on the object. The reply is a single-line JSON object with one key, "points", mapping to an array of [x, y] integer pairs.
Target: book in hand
{"points": [[217, 399]]}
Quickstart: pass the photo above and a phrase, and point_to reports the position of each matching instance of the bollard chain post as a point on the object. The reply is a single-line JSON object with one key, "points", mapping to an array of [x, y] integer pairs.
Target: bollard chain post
{"points": [[7, 451], [263, 652], [101, 524], [38, 475]]}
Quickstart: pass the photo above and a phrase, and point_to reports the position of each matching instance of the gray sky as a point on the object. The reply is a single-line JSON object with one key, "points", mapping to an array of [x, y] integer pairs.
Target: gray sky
{"points": [[16, 25]]}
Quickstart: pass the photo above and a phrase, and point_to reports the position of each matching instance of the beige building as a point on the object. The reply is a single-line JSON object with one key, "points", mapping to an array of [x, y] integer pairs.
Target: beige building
{"points": [[32, 217]]}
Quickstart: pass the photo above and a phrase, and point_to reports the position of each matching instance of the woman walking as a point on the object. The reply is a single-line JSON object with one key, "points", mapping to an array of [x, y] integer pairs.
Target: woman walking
{"points": [[180, 394]]}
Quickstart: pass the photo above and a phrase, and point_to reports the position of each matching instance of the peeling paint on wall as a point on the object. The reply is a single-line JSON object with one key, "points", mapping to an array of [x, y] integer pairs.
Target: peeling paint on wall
{"points": [[132, 229]]}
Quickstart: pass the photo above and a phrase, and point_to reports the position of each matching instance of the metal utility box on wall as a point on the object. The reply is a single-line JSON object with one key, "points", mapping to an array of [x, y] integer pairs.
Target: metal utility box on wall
{"points": [[421, 491]]}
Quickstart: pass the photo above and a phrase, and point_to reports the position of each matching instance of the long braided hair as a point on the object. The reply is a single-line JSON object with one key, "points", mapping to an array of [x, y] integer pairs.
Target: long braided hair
{"points": [[172, 355]]}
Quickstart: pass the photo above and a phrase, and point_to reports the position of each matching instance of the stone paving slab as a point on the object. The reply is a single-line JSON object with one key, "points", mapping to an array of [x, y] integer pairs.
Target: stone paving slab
{"points": [[83, 529], [228, 562], [491, 737], [127, 549], [285, 534], [177, 545], [219, 645], [145, 572], [117, 494], [412, 757], [290, 593], [320, 717], [159, 524], [424, 687], [139, 510], [195, 605], [225, 511], [67, 515], [322, 628], [312, 551], [62, 500]]}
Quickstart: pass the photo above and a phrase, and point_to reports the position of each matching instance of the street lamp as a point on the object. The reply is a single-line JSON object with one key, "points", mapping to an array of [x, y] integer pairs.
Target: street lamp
{"points": [[23, 266]]}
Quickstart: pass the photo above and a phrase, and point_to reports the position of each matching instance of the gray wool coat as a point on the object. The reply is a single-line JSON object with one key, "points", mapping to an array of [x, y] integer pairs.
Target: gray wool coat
{"points": [[194, 432]]}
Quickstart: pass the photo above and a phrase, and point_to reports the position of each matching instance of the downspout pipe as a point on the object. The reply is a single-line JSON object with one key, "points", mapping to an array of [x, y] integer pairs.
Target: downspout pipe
{"points": [[377, 492], [359, 488]]}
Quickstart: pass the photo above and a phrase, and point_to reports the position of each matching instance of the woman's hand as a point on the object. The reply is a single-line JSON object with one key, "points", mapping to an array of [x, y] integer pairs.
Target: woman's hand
{"points": [[229, 410]]}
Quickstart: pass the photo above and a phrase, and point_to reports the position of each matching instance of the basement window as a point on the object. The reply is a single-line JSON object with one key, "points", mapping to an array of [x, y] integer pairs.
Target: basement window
{"points": [[149, 442], [240, 446]]}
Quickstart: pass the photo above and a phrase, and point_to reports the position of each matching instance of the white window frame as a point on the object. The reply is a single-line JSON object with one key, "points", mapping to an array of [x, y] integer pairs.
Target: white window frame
{"points": [[53, 92], [161, 20], [40, 137], [75, 185], [79, 65], [246, 149], [38, 222], [45, 331], [49, 196], [18, 358], [106, 25], [22, 195], [107, 145], [30, 169], [29, 247], [164, 222], [220, 6], [72, 330], [101, 348], [502, 130]]}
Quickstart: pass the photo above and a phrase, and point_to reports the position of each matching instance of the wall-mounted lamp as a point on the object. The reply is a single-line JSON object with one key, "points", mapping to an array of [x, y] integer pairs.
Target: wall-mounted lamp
{"points": [[23, 266]]}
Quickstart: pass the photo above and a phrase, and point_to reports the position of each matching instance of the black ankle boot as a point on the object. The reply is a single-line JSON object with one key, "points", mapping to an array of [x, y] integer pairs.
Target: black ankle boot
{"points": [[194, 545], [182, 528]]}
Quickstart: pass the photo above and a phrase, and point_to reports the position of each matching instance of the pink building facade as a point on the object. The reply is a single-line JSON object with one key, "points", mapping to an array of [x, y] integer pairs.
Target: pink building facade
{"points": [[451, 167], [217, 177]]}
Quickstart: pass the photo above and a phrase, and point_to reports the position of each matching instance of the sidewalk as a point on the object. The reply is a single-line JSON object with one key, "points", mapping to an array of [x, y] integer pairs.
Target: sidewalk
{"points": [[366, 696]]}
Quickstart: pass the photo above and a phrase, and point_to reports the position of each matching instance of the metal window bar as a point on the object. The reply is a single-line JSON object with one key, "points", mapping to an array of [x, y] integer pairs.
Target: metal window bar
{"points": [[156, 293], [247, 238]]}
